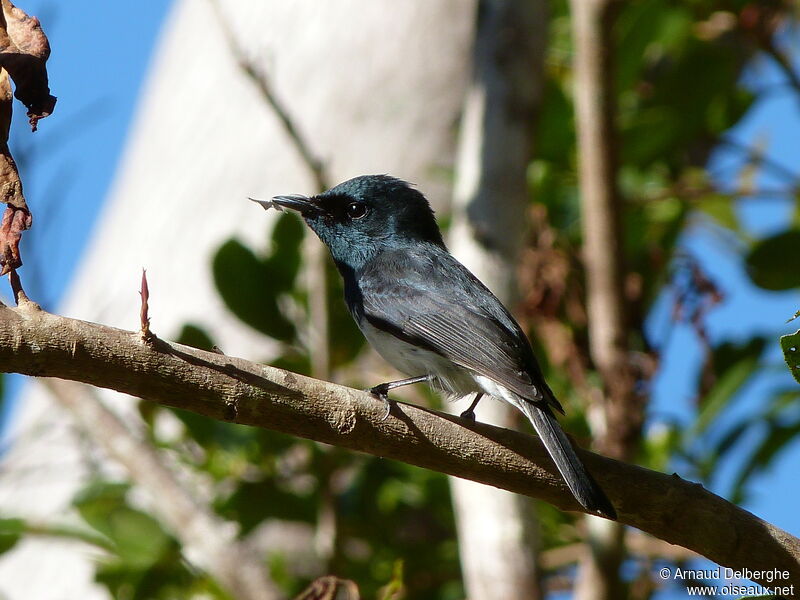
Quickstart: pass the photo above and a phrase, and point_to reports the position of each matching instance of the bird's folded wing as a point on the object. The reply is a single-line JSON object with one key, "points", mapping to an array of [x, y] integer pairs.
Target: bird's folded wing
{"points": [[468, 337]]}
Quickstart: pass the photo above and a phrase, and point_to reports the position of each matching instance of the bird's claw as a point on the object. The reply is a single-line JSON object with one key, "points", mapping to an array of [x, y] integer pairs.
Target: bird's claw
{"points": [[381, 392]]}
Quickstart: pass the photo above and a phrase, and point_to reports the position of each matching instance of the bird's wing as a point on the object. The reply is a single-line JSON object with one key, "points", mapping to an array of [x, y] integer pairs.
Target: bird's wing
{"points": [[460, 322]]}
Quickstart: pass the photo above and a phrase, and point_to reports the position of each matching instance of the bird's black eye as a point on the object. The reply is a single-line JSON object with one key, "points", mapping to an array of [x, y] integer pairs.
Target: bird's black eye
{"points": [[356, 210]]}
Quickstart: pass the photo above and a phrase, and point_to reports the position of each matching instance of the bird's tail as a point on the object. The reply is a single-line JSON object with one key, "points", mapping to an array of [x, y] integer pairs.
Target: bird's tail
{"points": [[580, 483]]}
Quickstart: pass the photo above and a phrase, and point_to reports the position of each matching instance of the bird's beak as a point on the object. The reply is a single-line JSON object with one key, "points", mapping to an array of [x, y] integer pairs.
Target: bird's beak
{"points": [[302, 204]]}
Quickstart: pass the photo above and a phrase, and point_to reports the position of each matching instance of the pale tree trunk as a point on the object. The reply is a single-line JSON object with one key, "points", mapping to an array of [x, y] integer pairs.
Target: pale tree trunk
{"points": [[496, 529], [618, 427]]}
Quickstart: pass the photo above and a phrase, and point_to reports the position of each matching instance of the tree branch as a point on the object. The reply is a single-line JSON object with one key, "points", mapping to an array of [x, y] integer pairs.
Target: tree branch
{"points": [[34, 342]]}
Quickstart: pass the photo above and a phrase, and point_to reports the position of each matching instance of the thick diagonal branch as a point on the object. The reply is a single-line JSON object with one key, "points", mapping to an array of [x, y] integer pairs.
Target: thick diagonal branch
{"points": [[34, 342]]}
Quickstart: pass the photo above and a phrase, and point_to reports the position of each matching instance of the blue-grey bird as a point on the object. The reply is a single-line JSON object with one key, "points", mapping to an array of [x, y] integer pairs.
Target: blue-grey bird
{"points": [[428, 316]]}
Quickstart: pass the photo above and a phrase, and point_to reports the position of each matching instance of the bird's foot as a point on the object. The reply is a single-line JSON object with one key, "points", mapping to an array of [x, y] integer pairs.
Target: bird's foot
{"points": [[469, 414], [381, 392]]}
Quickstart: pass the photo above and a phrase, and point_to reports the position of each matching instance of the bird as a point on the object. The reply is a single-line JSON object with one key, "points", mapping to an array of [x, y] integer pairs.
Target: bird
{"points": [[428, 316]]}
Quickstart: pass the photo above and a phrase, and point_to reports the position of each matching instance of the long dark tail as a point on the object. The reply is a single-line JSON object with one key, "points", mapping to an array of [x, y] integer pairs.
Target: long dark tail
{"points": [[580, 483]]}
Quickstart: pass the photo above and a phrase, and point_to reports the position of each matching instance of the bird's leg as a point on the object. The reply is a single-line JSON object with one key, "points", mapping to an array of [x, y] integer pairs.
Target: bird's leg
{"points": [[381, 390], [470, 412]]}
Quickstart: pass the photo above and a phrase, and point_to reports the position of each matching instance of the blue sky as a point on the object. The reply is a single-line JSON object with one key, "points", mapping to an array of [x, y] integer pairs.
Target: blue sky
{"points": [[100, 51], [775, 122], [100, 54]]}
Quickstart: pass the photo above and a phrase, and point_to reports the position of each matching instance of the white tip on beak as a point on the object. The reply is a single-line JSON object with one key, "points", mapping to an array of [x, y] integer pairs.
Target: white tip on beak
{"points": [[267, 204]]}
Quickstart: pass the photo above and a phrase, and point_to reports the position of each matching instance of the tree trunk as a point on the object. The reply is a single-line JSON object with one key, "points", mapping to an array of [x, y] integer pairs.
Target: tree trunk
{"points": [[497, 531], [603, 252]]}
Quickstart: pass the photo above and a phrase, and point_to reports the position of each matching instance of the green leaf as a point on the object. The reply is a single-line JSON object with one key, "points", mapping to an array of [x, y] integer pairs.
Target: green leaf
{"points": [[790, 344], [733, 435], [733, 366], [769, 263], [10, 532], [778, 436], [394, 589], [720, 207], [346, 340], [249, 290], [273, 502], [251, 286], [138, 539], [284, 262], [211, 433], [555, 133]]}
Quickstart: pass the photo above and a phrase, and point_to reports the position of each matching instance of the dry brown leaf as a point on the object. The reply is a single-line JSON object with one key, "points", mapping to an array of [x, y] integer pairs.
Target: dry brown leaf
{"points": [[330, 587], [16, 217], [14, 222], [10, 184], [24, 50]]}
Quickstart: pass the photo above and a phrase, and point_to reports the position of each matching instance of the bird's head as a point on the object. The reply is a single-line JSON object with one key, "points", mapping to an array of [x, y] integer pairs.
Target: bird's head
{"points": [[363, 216]]}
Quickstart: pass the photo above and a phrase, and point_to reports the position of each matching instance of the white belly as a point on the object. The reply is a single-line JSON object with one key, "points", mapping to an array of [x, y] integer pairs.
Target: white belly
{"points": [[414, 361]]}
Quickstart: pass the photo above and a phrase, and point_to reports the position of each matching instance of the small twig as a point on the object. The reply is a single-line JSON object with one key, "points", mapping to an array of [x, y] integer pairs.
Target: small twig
{"points": [[16, 288], [757, 156], [640, 545], [67, 531], [698, 193], [769, 47], [264, 86], [144, 317]]}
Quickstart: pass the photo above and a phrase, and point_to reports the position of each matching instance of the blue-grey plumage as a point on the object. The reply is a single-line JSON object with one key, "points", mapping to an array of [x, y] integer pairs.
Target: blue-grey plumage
{"points": [[426, 314]]}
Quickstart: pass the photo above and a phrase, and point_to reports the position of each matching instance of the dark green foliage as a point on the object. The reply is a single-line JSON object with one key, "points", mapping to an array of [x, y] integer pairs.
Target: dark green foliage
{"points": [[346, 340], [772, 264], [730, 367], [11, 531], [144, 562], [251, 286], [195, 336], [137, 538], [681, 92]]}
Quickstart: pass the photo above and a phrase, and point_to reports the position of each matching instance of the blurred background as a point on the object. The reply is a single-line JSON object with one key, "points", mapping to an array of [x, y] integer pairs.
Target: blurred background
{"points": [[170, 115]]}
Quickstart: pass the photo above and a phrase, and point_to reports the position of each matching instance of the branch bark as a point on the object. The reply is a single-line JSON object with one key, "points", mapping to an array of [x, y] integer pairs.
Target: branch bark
{"points": [[34, 342]]}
